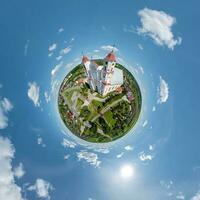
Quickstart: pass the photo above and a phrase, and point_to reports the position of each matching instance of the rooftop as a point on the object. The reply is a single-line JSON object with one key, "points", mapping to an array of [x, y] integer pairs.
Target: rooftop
{"points": [[110, 57], [85, 59]]}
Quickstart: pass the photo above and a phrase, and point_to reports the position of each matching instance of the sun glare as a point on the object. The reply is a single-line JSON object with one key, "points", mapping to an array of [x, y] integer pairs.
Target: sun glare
{"points": [[126, 171]]}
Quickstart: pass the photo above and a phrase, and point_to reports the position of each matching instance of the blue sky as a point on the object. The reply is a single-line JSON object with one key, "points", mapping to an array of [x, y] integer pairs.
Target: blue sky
{"points": [[158, 41]]}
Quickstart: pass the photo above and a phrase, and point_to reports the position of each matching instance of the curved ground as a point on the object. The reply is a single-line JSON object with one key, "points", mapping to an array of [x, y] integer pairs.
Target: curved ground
{"points": [[95, 118]]}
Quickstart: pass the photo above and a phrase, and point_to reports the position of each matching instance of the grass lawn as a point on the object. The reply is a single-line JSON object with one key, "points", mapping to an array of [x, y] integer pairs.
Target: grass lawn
{"points": [[93, 112], [97, 103], [109, 118]]}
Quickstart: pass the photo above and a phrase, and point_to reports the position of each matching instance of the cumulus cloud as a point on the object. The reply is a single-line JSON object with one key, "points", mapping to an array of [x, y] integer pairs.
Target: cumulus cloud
{"points": [[42, 188], [52, 47], [158, 26], [34, 93], [5, 107], [151, 147], [163, 91], [144, 157], [19, 171], [60, 30], [50, 54], [128, 148], [90, 157], [40, 142], [109, 48], [196, 196], [58, 57], [66, 157], [68, 144], [102, 150], [120, 155], [9, 190], [180, 196]]}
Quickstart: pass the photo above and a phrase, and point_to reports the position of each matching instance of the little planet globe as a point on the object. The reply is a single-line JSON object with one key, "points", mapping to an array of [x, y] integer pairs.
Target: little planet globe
{"points": [[99, 100]]}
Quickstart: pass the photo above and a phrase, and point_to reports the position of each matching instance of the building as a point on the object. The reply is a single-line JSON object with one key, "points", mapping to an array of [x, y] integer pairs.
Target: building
{"points": [[103, 78]]}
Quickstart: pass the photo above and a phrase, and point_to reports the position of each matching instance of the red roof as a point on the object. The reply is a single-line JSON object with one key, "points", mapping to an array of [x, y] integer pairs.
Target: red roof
{"points": [[85, 59], [111, 57]]}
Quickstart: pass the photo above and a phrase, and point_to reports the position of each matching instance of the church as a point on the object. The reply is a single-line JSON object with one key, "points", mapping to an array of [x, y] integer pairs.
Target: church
{"points": [[103, 78]]}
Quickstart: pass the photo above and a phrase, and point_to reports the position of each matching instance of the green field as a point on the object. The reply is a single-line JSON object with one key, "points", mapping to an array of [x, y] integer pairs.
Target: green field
{"points": [[95, 118]]}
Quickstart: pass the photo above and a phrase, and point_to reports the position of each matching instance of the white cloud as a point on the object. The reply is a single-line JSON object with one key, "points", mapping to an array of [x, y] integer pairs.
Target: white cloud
{"points": [[42, 188], [40, 142], [34, 93], [50, 54], [158, 25], [5, 107], [58, 57], [180, 196], [19, 171], [26, 47], [120, 155], [153, 109], [52, 47], [151, 147], [197, 196], [60, 30], [9, 190], [109, 48], [128, 148], [163, 91], [102, 150], [65, 50], [66, 143], [66, 157], [145, 123], [56, 68], [145, 157], [90, 157], [47, 96]]}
